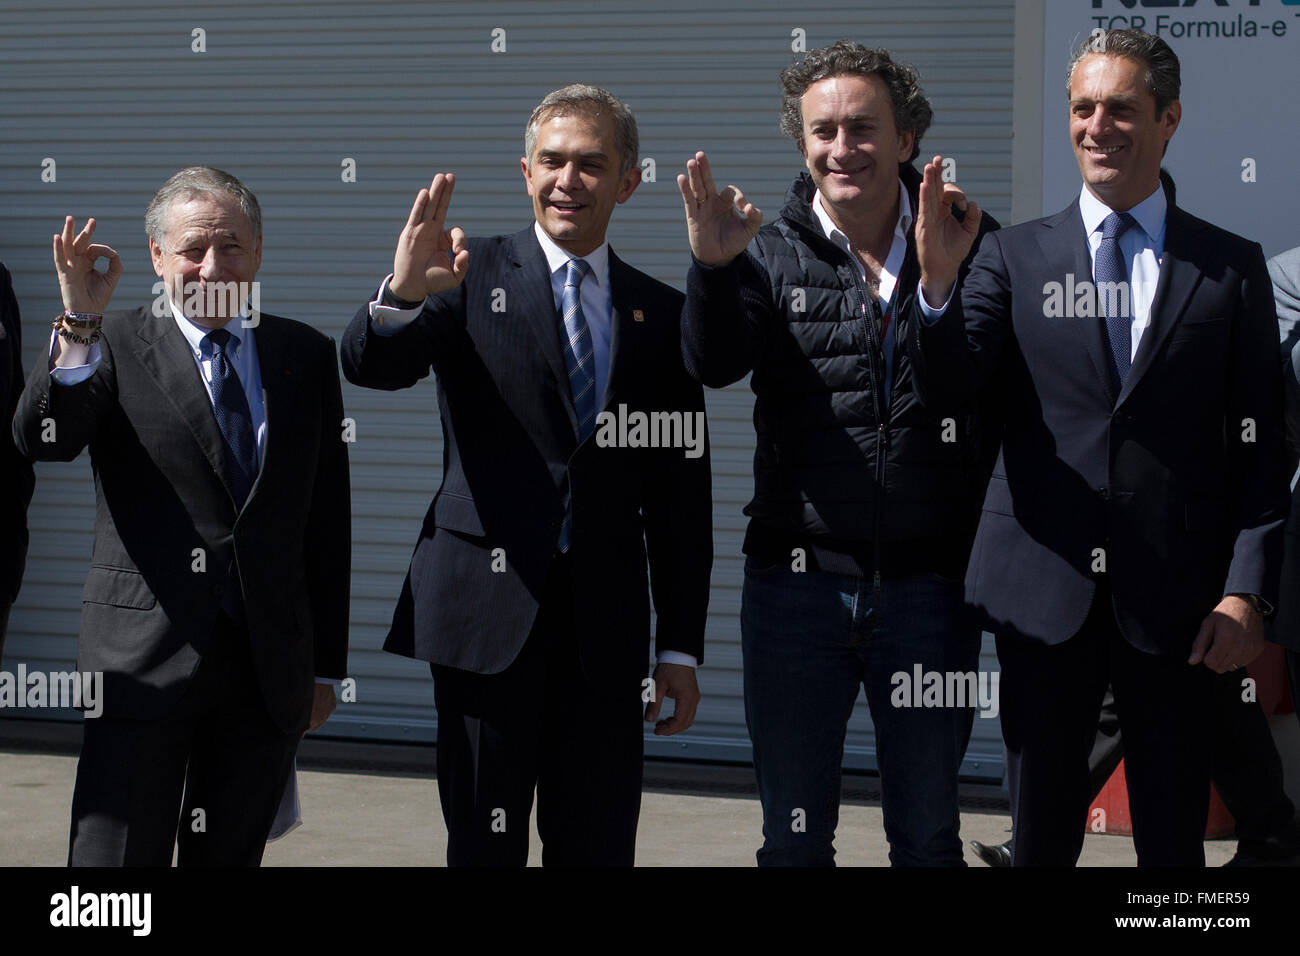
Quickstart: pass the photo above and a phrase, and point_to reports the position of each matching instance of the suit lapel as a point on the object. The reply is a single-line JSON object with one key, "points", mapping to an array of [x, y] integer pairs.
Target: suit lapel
{"points": [[273, 365], [1179, 277], [530, 292], [166, 354], [622, 283], [1065, 253]]}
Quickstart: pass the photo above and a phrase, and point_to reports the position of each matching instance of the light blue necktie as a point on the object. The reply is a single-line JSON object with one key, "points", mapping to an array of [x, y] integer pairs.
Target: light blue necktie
{"points": [[578, 358], [1111, 266]]}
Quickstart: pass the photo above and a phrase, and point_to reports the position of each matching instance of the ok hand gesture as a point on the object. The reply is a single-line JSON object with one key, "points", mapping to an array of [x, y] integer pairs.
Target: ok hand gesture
{"points": [[429, 259], [718, 224], [84, 288], [941, 241]]}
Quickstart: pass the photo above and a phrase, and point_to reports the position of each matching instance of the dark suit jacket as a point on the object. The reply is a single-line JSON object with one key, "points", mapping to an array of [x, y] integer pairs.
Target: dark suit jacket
{"points": [[1159, 476], [511, 460], [19, 479], [1284, 270], [161, 493]]}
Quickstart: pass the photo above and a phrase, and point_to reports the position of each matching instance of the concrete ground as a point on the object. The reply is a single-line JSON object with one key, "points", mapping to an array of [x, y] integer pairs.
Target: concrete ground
{"points": [[392, 818]]}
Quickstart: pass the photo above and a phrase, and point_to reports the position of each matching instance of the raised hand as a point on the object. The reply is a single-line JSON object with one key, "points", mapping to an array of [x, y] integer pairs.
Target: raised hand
{"points": [[429, 259], [942, 243], [718, 224], [83, 287]]}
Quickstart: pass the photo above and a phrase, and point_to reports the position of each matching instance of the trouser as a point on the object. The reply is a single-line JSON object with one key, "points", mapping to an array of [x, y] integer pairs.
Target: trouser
{"points": [[810, 641], [1244, 764], [540, 724], [218, 748], [1050, 699]]}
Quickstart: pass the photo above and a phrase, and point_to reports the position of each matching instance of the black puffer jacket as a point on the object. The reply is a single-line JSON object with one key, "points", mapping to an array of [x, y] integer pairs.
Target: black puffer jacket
{"points": [[863, 485]]}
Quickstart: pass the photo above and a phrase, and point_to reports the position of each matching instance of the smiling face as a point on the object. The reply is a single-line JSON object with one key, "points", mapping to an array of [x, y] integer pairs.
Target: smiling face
{"points": [[850, 143], [206, 239], [1118, 139], [573, 177]]}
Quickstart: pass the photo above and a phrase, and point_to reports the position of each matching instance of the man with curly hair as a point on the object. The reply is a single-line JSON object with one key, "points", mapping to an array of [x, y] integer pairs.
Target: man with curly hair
{"points": [[864, 502]]}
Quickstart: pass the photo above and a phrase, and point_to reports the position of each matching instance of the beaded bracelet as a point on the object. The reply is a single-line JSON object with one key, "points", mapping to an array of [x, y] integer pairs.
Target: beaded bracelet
{"points": [[71, 336], [82, 320]]}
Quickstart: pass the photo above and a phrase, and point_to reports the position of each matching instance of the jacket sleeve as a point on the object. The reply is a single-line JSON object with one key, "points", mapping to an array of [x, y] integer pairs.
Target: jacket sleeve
{"points": [[17, 468], [954, 356], [727, 319], [392, 362], [1284, 270], [328, 537], [678, 513], [1257, 489], [56, 422]]}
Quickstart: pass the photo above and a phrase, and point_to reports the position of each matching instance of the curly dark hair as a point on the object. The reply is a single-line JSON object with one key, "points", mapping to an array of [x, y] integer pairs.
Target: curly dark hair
{"points": [[912, 113]]}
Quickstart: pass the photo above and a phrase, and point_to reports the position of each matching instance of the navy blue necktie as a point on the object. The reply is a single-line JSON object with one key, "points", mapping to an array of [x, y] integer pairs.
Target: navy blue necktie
{"points": [[1117, 306], [230, 405], [579, 358]]}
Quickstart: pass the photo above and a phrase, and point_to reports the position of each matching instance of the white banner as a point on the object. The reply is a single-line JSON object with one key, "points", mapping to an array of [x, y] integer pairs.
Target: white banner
{"points": [[1236, 155]]}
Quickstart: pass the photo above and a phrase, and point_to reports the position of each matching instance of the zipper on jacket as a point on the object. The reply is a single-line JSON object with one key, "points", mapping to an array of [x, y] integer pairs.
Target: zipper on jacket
{"points": [[874, 349]]}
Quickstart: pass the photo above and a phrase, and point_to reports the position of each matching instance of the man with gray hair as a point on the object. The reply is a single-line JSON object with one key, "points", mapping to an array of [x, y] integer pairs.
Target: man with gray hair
{"points": [[864, 501], [216, 607], [528, 592]]}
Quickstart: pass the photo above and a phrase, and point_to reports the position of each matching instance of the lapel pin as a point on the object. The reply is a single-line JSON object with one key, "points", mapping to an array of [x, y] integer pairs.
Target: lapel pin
{"points": [[638, 315]]}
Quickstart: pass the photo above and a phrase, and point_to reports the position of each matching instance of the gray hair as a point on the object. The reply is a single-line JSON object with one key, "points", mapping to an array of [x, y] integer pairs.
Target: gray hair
{"points": [[1163, 75], [587, 100], [912, 113], [191, 183]]}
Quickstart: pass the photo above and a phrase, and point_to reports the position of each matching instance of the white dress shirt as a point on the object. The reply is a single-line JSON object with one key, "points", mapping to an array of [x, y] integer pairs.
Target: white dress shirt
{"points": [[1142, 245], [889, 270]]}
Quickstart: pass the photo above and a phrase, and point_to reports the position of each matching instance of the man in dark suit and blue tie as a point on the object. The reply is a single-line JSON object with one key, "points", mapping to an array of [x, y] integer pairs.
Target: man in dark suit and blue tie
{"points": [[216, 607], [528, 591], [1132, 528]]}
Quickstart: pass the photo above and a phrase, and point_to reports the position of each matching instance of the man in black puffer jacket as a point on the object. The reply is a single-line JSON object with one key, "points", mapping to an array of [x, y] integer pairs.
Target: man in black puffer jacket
{"points": [[865, 503]]}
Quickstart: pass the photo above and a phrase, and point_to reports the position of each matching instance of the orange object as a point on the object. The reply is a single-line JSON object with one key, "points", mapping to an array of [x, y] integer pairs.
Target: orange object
{"points": [[1269, 673], [1109, 813]]}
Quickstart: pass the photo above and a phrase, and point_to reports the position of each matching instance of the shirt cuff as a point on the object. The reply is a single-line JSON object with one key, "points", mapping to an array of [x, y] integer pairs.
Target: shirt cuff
{"points": [[387, 320], [931, 315], [73, 374], [678, 657], [331, 681]]}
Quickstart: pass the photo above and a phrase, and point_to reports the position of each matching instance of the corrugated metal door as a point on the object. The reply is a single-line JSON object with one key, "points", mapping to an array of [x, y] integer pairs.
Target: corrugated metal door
{"points": [[289, 96]]}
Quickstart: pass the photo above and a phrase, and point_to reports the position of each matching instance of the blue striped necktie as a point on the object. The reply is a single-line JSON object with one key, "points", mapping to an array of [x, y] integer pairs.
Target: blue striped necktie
{"points": [[580, 361], [1111, 267]]}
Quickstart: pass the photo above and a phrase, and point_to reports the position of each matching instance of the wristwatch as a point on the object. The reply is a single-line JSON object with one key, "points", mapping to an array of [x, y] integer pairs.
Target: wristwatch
{"points": [[1258, 604]]}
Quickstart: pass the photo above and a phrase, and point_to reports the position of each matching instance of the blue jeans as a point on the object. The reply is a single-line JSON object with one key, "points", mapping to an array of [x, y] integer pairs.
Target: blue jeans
{"points": [[810, 640]]}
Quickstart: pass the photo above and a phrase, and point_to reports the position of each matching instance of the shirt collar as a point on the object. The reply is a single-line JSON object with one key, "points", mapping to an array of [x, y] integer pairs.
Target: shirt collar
{"points": [[557, 258], [833, 233], [195, 333], [1150, 213]]}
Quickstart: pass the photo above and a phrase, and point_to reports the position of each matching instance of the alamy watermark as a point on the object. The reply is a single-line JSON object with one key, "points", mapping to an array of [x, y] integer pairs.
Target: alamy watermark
{"points": [[651, 430], [922, 688], [211, 300], [83, 690]]}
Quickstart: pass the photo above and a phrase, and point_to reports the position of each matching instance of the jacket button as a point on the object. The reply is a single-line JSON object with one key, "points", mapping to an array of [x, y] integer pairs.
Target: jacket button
{"points": [[216, 590]]}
